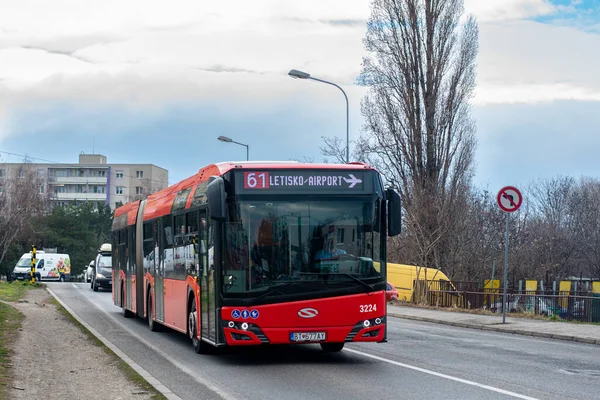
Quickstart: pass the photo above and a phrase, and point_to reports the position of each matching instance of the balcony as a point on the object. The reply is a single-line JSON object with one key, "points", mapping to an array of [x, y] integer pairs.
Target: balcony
{"points": [[79, 196], [78, 180]]}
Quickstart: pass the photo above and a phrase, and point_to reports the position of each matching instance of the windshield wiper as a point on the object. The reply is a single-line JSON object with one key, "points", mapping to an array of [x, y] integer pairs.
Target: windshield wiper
{"points": [[251, 301], [365, 284]]}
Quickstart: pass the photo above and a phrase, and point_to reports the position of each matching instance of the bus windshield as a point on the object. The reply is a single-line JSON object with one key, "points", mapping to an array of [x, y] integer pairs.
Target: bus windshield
{"points": [[315, 245]]}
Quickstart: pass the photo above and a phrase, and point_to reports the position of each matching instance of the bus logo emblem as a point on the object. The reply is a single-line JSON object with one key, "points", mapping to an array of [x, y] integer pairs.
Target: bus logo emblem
{"points": [[307, 313]]}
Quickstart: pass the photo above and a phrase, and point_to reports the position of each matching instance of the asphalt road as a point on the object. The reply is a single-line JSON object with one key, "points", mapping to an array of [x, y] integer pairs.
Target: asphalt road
{"points": [[420, 361]]}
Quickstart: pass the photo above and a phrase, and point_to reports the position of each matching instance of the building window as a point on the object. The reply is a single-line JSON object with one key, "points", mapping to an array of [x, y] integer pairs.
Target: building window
{"points": [[119, 190], [2, 173], [99, 189], [139, 190], [139, 174], [119, 175], [1, 189], [42, 189]]}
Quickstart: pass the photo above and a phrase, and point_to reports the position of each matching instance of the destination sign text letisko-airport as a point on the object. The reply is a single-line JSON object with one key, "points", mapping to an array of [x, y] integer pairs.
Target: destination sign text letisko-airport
{"points": [[306, 180]]}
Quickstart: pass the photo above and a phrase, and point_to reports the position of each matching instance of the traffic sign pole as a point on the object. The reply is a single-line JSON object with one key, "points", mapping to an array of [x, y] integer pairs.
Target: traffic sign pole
{"points": [[509, 200], [504, 304]]}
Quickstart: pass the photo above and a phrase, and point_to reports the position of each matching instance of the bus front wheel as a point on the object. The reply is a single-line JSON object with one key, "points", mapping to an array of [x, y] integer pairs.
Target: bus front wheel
{"points": [[200, 346]]}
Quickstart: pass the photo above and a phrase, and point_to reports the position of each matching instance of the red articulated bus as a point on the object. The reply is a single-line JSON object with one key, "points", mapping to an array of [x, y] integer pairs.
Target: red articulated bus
{"points": [[255, 253]]}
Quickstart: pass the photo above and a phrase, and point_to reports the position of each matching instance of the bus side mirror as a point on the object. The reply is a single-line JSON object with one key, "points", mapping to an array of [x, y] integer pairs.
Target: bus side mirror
{"points": [[216, 198], [394, 212]]}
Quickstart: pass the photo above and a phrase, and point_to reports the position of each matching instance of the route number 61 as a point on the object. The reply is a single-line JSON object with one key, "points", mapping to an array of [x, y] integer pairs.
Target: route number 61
{"points": [[368, 307], [256, 180]]}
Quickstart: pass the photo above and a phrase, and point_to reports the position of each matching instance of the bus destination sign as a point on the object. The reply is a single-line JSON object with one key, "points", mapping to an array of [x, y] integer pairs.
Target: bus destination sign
{"points": [[307, 180]]}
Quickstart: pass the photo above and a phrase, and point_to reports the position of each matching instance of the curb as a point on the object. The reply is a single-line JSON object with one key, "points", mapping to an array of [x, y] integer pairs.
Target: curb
{"points": [[498, 329], [143, 373]]}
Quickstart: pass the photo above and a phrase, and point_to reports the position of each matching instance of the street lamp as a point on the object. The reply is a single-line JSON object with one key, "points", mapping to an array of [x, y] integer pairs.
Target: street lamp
{"points": [[229, 140], [304, 75]]}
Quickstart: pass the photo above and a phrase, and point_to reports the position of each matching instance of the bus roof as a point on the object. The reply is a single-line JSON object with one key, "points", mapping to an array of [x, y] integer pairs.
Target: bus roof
{"points": [[161, 202]]}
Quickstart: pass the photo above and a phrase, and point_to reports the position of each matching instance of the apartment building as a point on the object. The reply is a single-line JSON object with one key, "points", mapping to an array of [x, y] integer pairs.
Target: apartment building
{"points": [[92, 179]]}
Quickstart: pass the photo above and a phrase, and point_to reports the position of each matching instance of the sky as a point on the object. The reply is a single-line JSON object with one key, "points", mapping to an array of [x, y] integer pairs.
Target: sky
{"points": [[155, 82]]}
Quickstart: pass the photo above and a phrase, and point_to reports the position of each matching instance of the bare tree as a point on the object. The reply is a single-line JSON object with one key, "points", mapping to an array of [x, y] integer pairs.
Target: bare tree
{"points": [[144, 188], [20, 201], [551, 246], [334, 147], [585, 206], [418, 131]]}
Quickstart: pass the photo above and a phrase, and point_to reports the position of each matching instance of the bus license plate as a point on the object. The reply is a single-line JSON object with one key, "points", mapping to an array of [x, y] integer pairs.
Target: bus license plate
{"points": [[307, 336]]}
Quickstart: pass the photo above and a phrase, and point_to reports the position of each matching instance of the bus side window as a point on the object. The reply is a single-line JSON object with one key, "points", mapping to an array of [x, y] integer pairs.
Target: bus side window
{"points": [[203, 243], [191, 220], [148, 245]]}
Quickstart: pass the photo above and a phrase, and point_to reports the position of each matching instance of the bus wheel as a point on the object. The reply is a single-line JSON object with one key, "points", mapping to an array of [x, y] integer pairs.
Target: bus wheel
{"points": [[332, 347], [126, 313], [200, 346], [153, 326]]}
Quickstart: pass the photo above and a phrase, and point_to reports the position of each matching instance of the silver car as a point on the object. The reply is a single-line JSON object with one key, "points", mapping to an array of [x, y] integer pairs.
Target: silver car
{"points": [[89, 272]]}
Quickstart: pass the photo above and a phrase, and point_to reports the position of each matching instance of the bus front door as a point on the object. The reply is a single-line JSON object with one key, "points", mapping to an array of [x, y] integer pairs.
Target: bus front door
{"points": [[208, 317]]}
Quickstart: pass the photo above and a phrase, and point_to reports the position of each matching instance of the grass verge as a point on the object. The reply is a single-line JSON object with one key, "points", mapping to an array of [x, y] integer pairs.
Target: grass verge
{"points": [[13, 291], [129, 372], [10, 321]]}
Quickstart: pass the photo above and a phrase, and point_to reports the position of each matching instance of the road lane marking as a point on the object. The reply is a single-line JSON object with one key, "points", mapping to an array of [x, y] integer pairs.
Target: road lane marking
{"points": [[452, 378]]}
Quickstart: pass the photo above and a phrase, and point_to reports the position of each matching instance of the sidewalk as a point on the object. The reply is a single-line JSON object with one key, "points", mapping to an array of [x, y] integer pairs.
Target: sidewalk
{"points": [[578, 332]]}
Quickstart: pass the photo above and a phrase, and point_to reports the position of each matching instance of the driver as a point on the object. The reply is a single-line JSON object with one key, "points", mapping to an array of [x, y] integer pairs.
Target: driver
{"points": [[330, 249]]}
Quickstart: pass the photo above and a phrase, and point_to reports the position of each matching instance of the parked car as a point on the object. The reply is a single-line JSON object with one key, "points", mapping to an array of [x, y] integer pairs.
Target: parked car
{"points": [[391, 292], [89, 272]]}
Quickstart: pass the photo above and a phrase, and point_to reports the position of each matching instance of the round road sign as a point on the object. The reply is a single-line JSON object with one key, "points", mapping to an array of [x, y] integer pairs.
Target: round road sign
{"points": [[509, 198]]}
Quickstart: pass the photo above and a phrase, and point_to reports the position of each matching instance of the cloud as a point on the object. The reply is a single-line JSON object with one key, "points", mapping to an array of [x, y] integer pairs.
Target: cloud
{"points": [[503, 10], [530, 61]]}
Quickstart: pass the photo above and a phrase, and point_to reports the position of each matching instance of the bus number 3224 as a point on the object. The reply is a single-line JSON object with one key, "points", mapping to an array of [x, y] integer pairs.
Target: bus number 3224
{"points": [[368, 307]]}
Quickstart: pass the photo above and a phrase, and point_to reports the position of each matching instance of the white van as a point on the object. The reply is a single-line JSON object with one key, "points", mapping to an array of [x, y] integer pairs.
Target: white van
{"points": [[49, 267]]}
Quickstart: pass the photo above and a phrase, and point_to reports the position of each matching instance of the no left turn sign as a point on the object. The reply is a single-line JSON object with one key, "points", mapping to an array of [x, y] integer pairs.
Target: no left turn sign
{"points": [[509, 198]]}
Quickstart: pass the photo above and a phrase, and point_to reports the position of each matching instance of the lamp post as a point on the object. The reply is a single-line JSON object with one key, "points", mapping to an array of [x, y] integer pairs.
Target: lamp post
{"points": [[229, 140], [304, 75]]}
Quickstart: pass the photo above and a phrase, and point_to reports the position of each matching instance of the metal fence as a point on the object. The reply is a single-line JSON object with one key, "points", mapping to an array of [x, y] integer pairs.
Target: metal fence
{"points": [[583, 306]]}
